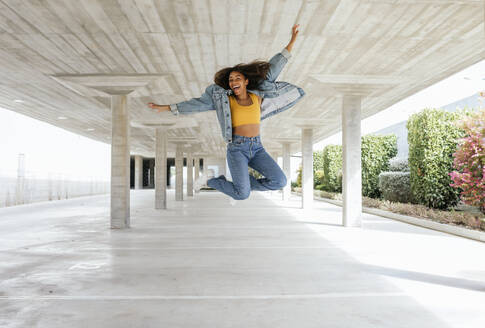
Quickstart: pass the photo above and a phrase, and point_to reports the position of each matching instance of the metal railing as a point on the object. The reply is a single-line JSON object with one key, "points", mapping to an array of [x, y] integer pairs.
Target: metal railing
{"points": [[31, 187]]}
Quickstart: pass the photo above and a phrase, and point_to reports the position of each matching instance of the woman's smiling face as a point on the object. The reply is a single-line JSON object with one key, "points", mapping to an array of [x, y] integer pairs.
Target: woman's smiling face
{"points": [[238, 83]]}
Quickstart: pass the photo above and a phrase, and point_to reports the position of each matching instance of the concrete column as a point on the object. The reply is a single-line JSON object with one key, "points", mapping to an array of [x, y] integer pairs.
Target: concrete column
{"points": [[197, 168], [287, 170], [151, 176], [275, 156], [179, 173], [204, 166], [222, 167], [120, 163], [161, 168], [118, 86], [138, 172], [307, 167], [352, 167], [190, 175]]}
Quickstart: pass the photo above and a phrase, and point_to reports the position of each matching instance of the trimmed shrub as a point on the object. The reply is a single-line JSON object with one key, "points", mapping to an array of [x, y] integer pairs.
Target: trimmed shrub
{"points": [[376, 152], [254, 173], [398, 164], [332, 168], [318, 169], [298, 177], [468, 219], [318, 161], [469, 161], [395, 186], [432, 138], [318, 179]]}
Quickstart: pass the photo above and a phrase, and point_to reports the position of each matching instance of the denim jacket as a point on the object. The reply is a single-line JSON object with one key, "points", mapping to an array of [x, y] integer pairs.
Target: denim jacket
{"points": [[276, 97]]}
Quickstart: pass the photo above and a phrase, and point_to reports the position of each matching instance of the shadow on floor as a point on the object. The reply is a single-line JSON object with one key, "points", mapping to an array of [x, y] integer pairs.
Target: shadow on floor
{"points": [[322, 223], [473, 285], [391, 226]]}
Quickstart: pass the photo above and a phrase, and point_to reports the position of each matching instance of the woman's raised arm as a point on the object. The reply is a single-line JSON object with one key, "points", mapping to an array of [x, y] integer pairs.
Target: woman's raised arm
{"points": [[159, 108], [194, 105], [278, 61], [294, 34]]}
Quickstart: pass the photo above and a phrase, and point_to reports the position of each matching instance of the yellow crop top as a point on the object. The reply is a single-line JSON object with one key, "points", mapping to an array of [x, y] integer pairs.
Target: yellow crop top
{"points": [[241, 115]]}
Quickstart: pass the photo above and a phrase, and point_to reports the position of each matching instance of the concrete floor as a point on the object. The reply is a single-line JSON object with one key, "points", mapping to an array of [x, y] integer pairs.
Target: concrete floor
{"points": [[204, 263]]}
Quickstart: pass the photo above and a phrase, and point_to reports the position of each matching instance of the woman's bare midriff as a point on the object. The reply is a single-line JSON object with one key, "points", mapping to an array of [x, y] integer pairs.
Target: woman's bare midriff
{"points": [[246, 130]]}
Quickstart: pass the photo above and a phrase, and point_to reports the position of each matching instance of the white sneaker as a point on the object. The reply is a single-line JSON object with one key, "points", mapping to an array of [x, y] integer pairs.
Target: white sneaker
{"points": [[200, 182], [232, 201]]}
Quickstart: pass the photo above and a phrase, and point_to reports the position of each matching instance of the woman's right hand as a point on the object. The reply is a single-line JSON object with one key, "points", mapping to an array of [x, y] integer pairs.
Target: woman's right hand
{"points": [[294, 34], [159, 108]]}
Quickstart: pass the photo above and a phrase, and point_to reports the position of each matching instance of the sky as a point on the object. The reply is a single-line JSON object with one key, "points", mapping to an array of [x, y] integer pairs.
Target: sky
{"points": [[51, 150]]}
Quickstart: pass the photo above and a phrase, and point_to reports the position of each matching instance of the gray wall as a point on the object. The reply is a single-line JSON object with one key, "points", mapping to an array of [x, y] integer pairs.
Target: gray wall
{"points": [[399, 129]]}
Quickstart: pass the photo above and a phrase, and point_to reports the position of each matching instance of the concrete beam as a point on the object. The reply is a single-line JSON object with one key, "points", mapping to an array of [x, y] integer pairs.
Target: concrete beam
{"points": [[91, 85], [352, 79], [166, 120], [361, 85], [307, 123]]}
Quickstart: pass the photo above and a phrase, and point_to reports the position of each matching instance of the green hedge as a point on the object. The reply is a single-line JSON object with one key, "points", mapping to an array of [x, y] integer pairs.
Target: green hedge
{"points": [[318, 161], [394, 185], [432, 138], [332, 168], [317, 169], [377, 150], [317, 179], [298, 177], [398, 164]]}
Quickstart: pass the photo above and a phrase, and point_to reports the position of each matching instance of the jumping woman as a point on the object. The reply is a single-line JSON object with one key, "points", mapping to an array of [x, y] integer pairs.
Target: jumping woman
{"points": [[242, 97]]}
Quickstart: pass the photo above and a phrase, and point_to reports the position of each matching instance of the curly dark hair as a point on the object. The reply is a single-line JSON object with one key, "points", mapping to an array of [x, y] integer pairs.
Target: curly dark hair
{"points": [[255, 72]]}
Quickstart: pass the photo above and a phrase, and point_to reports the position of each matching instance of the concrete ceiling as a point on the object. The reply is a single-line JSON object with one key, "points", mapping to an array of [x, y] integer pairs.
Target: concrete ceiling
{"points": [[402, 46]]}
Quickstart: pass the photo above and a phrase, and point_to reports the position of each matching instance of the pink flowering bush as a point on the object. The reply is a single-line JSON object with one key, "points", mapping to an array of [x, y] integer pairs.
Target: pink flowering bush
{"points": [[469, 161]]}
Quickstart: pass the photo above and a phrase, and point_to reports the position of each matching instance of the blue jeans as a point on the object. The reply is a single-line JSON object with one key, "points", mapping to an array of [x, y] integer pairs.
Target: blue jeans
{"points": [[244, 152]]}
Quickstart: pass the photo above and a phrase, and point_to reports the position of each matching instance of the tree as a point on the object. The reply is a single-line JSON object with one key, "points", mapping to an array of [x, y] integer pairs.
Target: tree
{"points": [[469, 161]]}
